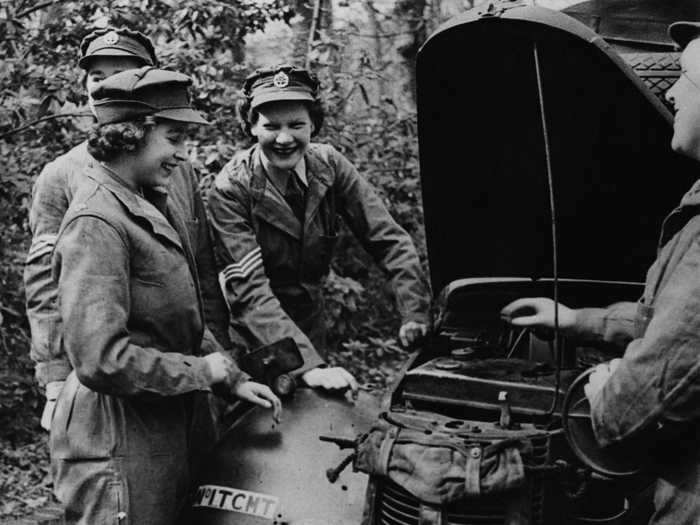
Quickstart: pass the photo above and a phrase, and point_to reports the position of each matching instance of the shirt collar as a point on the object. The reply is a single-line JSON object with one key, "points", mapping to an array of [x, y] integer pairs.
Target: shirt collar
{"points": [[280, 176]]}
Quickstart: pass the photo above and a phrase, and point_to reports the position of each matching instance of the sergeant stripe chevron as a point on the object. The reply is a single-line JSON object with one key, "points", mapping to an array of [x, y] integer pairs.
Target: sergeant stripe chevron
{"points": [[244, 267], [41, 245]]}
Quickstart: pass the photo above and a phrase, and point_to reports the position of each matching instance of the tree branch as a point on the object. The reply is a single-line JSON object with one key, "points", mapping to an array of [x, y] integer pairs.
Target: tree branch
{"points": [[40, 120], [36, 7]]}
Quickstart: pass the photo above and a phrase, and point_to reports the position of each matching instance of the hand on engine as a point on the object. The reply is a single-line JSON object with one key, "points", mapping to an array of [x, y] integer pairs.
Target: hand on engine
{"points": [[411, 332], [260, 395], [538, 312], [333, 378]]}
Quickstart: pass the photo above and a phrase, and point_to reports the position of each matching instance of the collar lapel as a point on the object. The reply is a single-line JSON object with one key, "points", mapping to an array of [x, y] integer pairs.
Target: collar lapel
{"points": [[320, 180], [137, 206]]}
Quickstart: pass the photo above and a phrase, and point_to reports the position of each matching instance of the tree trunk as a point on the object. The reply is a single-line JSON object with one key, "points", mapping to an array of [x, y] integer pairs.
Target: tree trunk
{"points": [[411, 13]]}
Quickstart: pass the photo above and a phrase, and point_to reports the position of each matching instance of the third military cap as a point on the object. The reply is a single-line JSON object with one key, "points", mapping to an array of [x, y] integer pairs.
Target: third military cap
{"points": [[283, 82], [113, 42], [683, 32], [137, 93]]}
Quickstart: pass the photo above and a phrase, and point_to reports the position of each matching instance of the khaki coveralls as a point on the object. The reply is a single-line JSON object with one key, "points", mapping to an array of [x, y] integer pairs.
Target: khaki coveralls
{"points": [[275, 266], [658, 378], [132, 328], [52, 194]]}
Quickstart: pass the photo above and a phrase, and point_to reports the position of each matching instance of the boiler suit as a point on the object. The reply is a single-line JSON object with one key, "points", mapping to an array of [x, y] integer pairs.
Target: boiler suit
{"points": [[658, 379], [52, 194], [133, 322]]}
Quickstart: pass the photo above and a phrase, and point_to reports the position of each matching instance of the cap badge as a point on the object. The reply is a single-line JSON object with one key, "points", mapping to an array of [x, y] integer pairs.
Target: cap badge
{"points": [[111, 38], [280, 80]]}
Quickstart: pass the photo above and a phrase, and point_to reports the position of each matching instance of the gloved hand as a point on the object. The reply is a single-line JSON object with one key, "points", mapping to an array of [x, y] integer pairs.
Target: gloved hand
{"points": [[53, 389], [411, 332], [333, 378]]}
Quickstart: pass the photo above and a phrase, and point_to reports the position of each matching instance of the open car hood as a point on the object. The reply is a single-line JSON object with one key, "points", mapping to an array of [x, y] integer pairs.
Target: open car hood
{"points": [[634, 21], [509, 94]]}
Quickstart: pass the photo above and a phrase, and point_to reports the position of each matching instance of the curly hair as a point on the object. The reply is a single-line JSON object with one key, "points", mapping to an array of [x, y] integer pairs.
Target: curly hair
{"points": [[108, 141], [248, 116]]}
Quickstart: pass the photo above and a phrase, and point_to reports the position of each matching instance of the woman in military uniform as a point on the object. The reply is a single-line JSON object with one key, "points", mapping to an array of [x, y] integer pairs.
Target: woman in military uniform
{"points": [[132, 316], [103, 52], [274, 211]]}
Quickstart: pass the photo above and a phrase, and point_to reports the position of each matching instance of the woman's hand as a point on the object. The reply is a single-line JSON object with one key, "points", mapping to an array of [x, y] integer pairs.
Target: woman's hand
{"points": [[410, 332], [260, 395], [598, 378], [538, 312], [334, 378]]}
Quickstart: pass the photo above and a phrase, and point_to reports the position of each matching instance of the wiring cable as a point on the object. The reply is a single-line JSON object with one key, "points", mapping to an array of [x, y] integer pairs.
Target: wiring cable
{"points": [[552, 209]]}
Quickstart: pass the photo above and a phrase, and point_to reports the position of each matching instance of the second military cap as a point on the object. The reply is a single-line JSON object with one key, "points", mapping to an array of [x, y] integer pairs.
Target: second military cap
{"points": [[141, 92], [683, 32], [281, 82], [119, 41]]}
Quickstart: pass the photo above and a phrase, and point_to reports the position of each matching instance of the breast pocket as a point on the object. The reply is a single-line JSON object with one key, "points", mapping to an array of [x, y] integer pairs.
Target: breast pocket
{"points": [[161, 284]]}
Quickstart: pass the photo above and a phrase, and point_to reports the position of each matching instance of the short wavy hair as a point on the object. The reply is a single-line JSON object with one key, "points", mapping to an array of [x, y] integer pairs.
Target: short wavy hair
{"points": [[108, 141], [248, 116]]}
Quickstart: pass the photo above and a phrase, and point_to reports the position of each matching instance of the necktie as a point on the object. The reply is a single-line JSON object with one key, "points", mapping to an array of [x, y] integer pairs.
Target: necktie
{"points": [[296, 195]]}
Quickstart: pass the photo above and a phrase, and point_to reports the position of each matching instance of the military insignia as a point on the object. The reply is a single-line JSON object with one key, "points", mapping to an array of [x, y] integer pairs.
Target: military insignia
{"points": [[111, 38], [281, 80]]}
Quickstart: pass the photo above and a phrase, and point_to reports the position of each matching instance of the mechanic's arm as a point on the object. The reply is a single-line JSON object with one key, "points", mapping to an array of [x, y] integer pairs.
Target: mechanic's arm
{"points": [[248, 289], [614, 324], [658, 378], [92, 268], [388, 243]]}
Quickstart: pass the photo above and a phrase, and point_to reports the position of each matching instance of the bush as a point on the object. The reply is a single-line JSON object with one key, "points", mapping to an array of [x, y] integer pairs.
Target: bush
{"points": [[42, 101]]}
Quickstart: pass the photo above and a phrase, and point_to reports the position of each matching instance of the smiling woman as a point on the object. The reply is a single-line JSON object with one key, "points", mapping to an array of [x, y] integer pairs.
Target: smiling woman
{"points": [[155, 147], [133, 322], [275, 213]]}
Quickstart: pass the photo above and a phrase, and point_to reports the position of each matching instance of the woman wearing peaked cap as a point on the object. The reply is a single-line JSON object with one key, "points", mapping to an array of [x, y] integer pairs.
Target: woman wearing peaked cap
{"points": [[274, 211], [132, 315], [103, 52]]}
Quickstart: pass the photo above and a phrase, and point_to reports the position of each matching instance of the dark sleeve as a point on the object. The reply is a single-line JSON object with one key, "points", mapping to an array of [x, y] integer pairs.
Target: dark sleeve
{"points": [[92, 268], [215, 310], [248, 291], [387, 242], [50, 202], [658, 377]]}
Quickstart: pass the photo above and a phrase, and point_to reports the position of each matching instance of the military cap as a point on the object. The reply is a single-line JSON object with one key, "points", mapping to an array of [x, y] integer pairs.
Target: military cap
{"points": [[683, 32], [119, 41], [141, 92], [282, 82]]}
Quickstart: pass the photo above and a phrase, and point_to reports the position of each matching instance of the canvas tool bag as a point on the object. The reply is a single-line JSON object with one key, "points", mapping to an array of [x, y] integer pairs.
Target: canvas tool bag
{"points": [[439, 468]]}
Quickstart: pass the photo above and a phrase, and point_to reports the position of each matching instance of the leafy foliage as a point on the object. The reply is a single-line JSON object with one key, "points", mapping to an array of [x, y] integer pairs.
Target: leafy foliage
{"points": [[43, 113], [41, 104]]}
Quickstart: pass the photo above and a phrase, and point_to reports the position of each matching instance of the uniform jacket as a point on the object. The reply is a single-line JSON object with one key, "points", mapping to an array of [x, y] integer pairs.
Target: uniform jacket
{"points": [[275, 266], [658, 379], [127, 290], [53, 192], [132, 417]]}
